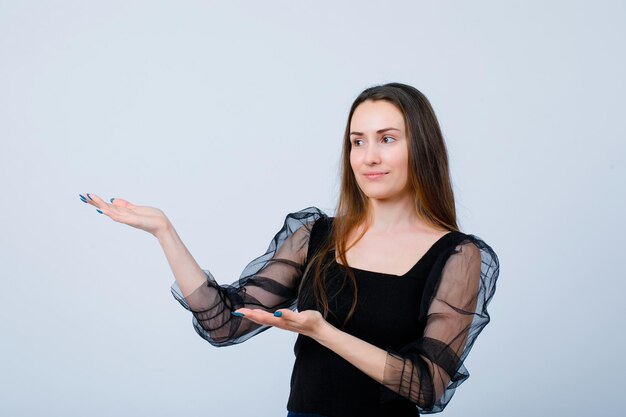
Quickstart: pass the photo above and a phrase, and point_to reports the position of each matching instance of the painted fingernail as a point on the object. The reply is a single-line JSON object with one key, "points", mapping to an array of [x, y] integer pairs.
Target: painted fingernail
{"points": [[98, 211], [83, 199], [278, 313], [236, 313], [112, 200], [89, 197]]}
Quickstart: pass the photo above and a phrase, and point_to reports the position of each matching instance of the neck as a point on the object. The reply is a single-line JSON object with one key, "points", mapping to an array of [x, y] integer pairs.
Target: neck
{"points": [[390, 215]]}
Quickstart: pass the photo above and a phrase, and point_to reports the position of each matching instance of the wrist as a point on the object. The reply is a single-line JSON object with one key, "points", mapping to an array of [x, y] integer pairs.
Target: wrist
{"points": [[326, 334], [165, 232]]}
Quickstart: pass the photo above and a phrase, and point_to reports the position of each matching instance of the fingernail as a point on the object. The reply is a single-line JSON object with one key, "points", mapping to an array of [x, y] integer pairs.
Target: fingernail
{"points": [[112, 200], [89, 197], [278, 313], [98, 211], [236, 313], [83, 199]]}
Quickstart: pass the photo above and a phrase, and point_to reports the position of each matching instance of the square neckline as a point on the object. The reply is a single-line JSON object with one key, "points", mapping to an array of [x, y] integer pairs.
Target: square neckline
{"points": [[413, 268]]}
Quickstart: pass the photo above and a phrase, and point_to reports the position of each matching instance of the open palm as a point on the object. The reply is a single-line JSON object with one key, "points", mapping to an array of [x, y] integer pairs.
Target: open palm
{"points": [[308, 323], [150, 219]]}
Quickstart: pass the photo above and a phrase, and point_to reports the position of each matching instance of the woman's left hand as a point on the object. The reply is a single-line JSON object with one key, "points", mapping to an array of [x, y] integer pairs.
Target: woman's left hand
{"points": [[308, 323]]}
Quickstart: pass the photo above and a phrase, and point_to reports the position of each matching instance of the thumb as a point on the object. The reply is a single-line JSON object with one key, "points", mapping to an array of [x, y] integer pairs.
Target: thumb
{"points": [[120, 202]]}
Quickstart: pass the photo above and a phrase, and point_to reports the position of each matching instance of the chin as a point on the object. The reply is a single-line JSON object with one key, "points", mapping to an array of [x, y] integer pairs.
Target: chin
{"points": [[387, 194], [380, 195]]}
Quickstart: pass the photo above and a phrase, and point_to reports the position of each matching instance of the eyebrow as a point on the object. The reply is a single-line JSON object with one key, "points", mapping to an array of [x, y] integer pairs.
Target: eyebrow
{"points": [[378, 131]]}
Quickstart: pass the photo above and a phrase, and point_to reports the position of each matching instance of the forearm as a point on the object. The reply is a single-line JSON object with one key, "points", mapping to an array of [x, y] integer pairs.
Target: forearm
{"points": [[368, 358], [188, 274], [373, 361]]}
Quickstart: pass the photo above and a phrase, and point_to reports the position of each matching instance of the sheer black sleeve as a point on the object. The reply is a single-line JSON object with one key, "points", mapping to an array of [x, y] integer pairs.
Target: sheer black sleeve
{"points": [[270, 282], [428, 370]]}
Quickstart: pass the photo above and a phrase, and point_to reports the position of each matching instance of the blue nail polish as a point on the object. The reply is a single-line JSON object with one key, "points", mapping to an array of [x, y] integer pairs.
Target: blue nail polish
{"points": [[83, 199], [89, 197], [237, 314], [98, 211], [278, 313], [112, 200]]}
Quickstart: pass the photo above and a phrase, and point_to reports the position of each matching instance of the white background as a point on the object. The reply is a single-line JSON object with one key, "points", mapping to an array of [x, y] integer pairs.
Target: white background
{"points": [[229, 115]]}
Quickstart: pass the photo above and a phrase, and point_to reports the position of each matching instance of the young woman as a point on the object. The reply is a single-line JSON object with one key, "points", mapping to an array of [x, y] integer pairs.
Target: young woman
{"points": [[388, 296]]}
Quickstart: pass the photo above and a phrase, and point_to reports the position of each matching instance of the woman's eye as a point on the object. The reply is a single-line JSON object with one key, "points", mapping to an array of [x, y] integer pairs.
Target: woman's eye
{"points": [[357, 142], [388, 139]]}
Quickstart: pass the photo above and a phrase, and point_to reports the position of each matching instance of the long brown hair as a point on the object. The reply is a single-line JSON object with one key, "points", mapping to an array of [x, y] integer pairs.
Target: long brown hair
{"points": [[429, 177]]}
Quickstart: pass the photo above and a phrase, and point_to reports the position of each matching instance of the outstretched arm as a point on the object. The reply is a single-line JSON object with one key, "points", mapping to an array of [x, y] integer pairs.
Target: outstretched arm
{"points": [[267, 283], [188, 273]]}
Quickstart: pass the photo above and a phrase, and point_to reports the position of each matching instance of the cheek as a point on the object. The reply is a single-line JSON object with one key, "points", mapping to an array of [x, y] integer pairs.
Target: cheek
{"points": [[401, 162], [353, 161], [405, 159], [400, 159]]}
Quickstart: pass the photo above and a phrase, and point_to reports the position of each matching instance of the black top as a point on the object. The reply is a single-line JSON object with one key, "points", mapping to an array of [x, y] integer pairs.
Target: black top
{"points": [[427, 319]]}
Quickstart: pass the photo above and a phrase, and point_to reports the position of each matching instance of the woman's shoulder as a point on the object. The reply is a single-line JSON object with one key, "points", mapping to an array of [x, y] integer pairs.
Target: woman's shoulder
{"points": [[458, 251], [468, 247], [304, 222], [462, 238], [322, 226], [313, 217], [461, 247], [304, 217], [311, 213]]}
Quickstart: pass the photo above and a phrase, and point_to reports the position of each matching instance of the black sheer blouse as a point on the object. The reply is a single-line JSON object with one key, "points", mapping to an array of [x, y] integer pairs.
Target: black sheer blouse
{"points": [[427, 320]]}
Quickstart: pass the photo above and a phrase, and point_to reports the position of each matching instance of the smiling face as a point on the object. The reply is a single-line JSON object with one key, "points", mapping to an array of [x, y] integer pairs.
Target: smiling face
{"points": [[379, 155]]}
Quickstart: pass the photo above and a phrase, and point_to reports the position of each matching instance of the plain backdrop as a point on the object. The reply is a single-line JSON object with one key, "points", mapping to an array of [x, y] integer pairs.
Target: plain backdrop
{"points": [[228, 115]]}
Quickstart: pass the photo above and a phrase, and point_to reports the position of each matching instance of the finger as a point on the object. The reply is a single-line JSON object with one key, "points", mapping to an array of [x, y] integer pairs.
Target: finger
{"points": [[259, 316], [286, 314], [120, 202], [269, 319], [95, 201], [290, 320], [85, 197]]}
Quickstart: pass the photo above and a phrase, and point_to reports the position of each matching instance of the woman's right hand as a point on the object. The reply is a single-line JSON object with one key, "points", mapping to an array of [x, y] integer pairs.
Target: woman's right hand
{"points": [[150, 219]]}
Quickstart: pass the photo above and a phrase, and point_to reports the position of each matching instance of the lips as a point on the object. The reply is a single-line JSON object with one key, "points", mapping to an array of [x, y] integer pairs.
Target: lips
{"points": [[374, 175]]}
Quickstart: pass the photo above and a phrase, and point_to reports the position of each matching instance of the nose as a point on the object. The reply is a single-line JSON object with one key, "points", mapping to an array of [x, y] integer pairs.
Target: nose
{"points": [[372, 154]]}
